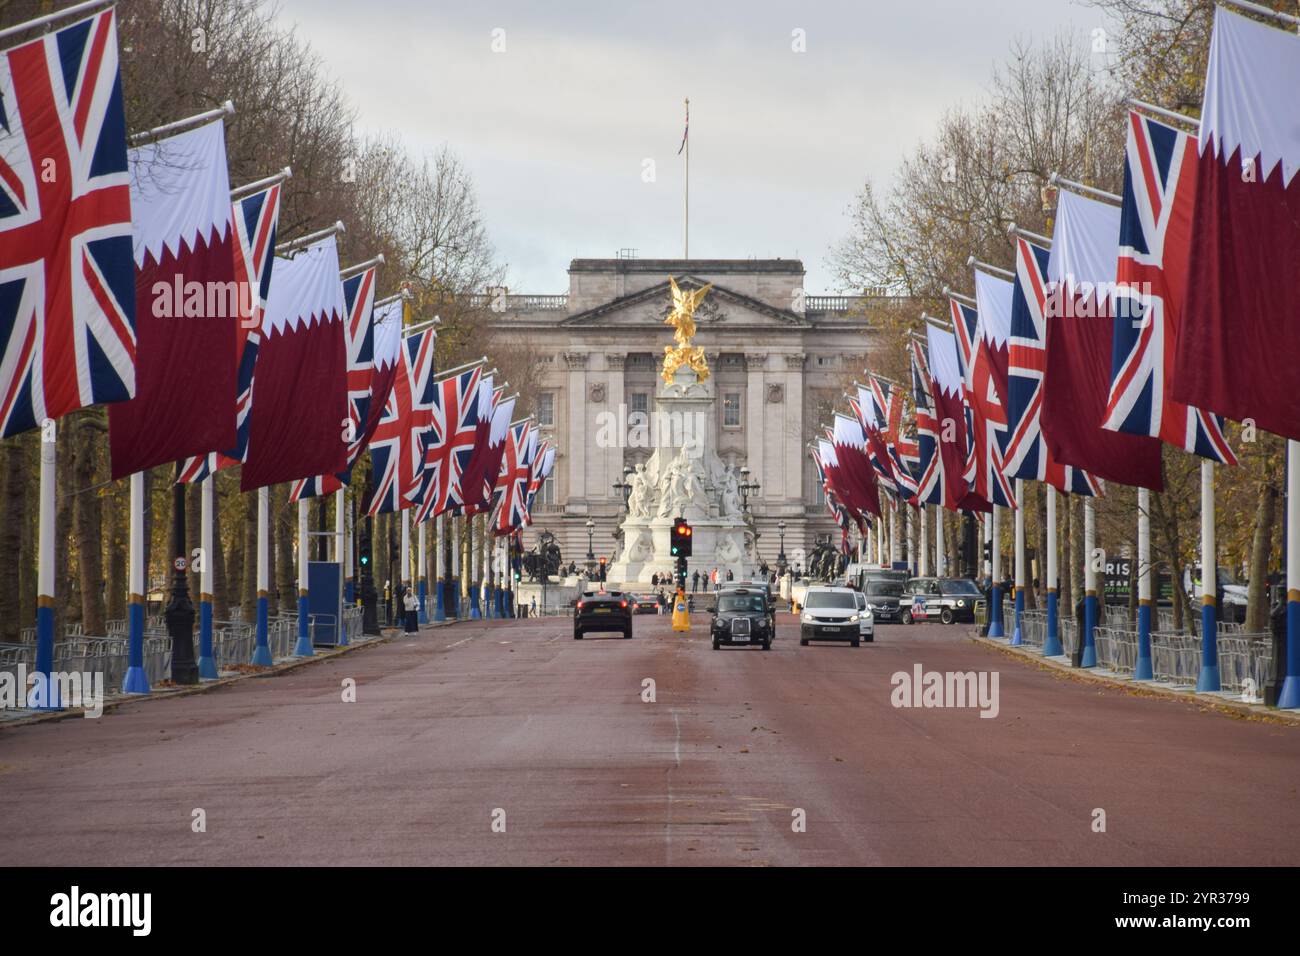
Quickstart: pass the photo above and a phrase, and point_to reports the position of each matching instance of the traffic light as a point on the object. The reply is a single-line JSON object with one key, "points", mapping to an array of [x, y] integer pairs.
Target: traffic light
{"points": [[602, 569], [680, 539], [988, 550]]}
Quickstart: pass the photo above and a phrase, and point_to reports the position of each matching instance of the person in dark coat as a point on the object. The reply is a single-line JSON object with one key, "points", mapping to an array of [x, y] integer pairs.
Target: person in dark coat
{"points": [[411, 605]]}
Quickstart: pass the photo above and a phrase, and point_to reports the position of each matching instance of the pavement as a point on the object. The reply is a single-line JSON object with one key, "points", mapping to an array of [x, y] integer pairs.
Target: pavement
{"points": [[510, 743]]}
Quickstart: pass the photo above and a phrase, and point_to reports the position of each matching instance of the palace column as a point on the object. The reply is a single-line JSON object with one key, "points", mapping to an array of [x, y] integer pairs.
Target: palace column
{"points": [[576, 442]]}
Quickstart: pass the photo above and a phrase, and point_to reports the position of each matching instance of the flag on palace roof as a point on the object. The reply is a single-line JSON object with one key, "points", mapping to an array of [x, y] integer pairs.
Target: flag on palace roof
{"points": [[1076, 381], [1238, 349], [187, 305], [255, 219], [68, 315], [1155, 241], [300, 400]]}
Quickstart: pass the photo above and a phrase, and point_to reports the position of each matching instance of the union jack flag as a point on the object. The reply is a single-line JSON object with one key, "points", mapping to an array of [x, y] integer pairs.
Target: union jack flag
{"points": [[452, 437], [834, 506], [511, 495], [871, 417], [1026, 455], [359, 299], [981, 348], [1154, 248], [67, 269], [397, 446], [889, 402], [479, 478], [256, 218], [542, 466], [929, 464]]}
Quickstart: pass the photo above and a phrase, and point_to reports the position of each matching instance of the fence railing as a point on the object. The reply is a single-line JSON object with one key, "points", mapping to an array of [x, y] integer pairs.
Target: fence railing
{"points": [[1245, 662], [1116, 648], [1175, 657], [1033, 628]]}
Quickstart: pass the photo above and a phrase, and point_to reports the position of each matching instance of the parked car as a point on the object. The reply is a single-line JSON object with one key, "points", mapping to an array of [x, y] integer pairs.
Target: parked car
{"points": [[884, 592], [947, 599], [830, 614], [742, 618], [602, 611]]}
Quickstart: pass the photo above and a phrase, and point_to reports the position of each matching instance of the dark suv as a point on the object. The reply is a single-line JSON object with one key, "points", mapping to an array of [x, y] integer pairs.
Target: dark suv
{"points": [[947, 599], [602, 611], [743, 619]]}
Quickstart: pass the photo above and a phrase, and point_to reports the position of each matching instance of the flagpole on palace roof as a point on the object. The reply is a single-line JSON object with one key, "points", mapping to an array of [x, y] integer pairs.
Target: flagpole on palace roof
{"points": [[49, 18], [268, 182], [147, 136], [686, 222]]}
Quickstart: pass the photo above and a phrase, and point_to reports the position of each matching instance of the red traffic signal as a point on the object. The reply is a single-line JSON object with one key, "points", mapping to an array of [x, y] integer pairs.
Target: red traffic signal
{"points": [[681, 539]]}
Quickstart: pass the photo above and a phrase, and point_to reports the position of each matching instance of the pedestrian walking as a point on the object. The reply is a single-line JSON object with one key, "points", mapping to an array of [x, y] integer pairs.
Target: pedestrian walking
{"points": [[695, 581], [411, 603]]}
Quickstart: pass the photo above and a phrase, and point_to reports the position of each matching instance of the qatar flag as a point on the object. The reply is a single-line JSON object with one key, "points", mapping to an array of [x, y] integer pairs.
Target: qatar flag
{"points": [[839, 499], [297, 426], [856, 477], [188, 305], [1080, 319], [948, 395], [494, 452], [1238, 350]]}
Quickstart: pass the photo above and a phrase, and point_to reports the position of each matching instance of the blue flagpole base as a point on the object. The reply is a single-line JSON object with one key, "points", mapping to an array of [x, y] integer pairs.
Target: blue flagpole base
{"points": [[1020, 613], [424, 602], [1052, 641], [207, 664], [135, 682], [488, 607], [1142, 669], [45, 690], [474, 613], [1288, 697], [303, 648], [1209, 679], [995, 612], [440, 599], [1089, 658], [262, 650]]}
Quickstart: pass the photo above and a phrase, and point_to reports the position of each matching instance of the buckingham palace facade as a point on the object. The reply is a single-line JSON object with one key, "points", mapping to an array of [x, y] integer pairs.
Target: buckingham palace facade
{"points": [[779, 360]]}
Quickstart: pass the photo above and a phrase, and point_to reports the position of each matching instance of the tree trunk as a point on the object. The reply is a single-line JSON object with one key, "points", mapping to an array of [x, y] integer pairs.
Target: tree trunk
{"points": [[194, 536], [286, 571], [1167, 524], [248, 589], [117, 544], [147, 537], [1261, 549], [89, 527], [1065, 535], [220, 593], [13, 494]]}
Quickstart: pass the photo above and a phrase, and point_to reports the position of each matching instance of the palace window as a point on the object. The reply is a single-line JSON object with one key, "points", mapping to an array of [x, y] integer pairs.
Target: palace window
{"points": [[731, 410], [639, 360], [546, 493], [546, 408], [638, 402]]}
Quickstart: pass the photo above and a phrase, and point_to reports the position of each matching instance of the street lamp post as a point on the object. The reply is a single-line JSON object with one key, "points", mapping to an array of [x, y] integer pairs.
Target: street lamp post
{"points": [[780, 558], [180, 609], [591, 556], [625, 486], [747, 488]]}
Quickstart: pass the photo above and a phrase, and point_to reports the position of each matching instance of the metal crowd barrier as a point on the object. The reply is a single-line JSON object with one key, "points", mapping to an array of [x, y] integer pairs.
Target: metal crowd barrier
{"points": [[1245, 657], [1175, 657], [1069, 634], [1033, 628], [1116, 648]]}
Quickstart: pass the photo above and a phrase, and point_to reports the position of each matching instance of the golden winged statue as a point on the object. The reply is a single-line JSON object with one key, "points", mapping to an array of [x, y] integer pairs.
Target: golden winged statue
{"points": [[682, 319]]}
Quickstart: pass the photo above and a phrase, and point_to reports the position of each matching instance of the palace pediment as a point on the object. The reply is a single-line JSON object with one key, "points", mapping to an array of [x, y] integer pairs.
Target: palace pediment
{"points": [[722, 308]]}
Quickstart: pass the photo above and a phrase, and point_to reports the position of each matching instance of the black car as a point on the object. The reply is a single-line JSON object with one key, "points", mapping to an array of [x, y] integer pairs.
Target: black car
{"points": [[742, 619], [602, 611], [883, 590], [645, 603]]}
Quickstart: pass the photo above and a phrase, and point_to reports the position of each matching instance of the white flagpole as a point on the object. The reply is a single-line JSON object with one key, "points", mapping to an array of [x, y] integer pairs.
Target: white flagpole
{"points": [[1016, 636], [456, 577], [940, 556], [995, 605], [923, 559], [44, 693], [471, 568], [1289, 694], [1209, 677], [207, 662], [262, 648], [686, 220], [136, 681], [893, 536], [341, 555], [1142, 669], [439, 587], [304, 645], [1052, 642], [405, 553], [1088, 657]]}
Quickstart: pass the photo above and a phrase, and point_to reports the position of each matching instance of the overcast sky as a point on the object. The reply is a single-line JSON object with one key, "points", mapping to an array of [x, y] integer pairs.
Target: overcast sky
{"points": [[558, 127]]}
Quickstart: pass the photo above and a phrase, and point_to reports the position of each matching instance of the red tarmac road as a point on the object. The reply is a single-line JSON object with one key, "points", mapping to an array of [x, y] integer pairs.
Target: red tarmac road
{"points": [[519, 720]]}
